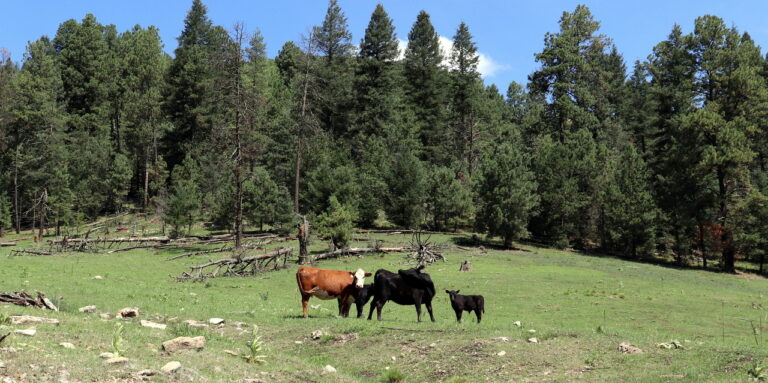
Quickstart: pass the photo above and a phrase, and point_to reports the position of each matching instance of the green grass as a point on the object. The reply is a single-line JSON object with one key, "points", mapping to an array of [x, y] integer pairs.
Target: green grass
{"points": [[581, 307]]}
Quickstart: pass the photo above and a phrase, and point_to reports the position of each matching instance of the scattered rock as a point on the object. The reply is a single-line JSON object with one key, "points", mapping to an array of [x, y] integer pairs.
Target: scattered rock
{"points": [[328, 369], [503, 339], [298, 342], [501, 353], [171, 367], [128, 312], [98, 277], [533, 340], [184, 343], [105, 316], [314, 307], [216, 321], [27, 319], [27, 332], [106, 355], [193, 294], [67, 345], [517, 323], [118, 360], [317, 334], [394, 358], [253, 380], [195, 324], [627, 348], [230, 352], [433, 345], [87, 309], [2, 365], [532, 331], [670, 345], [149, 324], [146, 372]]}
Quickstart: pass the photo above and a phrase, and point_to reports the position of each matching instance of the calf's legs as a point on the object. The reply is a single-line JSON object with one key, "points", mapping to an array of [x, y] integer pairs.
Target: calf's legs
{"points": [[479, 315]]}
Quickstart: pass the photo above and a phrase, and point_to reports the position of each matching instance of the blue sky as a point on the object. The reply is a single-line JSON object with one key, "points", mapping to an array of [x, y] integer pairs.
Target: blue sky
{"points": [[508, 33]]}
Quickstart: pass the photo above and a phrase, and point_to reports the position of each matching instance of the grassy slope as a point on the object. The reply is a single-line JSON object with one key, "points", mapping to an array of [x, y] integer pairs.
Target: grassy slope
{"points": [[563, 296]]}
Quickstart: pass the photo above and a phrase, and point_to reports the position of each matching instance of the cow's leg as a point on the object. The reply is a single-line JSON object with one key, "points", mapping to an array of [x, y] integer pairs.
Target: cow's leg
{"points": [[304, 303], [379, 306], [458, 315], [429, 309], [359, 309], [344, 306], [417, 303], [373, 306], [341, 305], [479, 315]]}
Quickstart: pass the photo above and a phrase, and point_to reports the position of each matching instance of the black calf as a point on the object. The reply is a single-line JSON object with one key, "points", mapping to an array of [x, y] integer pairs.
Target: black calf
{"points": [[461, 303], [363, 296]]}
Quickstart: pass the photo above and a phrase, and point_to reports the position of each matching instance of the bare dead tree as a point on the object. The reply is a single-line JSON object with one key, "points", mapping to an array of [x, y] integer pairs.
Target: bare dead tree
{"points": [[424, 252], [303, 241], [306, 121]]}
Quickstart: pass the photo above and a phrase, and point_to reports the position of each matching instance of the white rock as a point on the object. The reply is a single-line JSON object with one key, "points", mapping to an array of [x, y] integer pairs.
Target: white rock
{"points": [[517, 323], [117, 360], [298, 342], [105, 316], [146, 372], [67, 345], [329, 369], [503, 339], [27, 332], [314, 307], [501, 353], [184, 343], [2, 365], [216, 321], [317, 334], [149, 324], [193, 294], [28, 319], [533, 340], [98, 277], [394, 358], [128, 312], [87, 309], [171, 367], [106, 355], [532, 331], [433, 345], [195, 324]]}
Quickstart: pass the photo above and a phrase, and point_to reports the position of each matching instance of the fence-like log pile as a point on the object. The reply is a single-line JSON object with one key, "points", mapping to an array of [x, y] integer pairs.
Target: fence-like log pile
{"points": [[21, 298], [359, 251], [239, 266]]}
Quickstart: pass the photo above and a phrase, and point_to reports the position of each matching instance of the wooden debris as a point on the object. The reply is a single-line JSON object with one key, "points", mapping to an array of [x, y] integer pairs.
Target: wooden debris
{"points": [[7, 244], [16, 253], [239, 266], [360, 251], [425, 253], [21, 298], [465, 266]]}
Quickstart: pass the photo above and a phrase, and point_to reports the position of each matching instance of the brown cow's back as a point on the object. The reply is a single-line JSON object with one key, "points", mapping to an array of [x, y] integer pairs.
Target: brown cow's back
{"points": [[322, 283]]}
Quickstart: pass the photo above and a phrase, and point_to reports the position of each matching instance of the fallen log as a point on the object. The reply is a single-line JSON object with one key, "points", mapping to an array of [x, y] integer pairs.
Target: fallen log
{"points": [[359, 251], [238, 266], [16, 253], [74, 241], [7, 244], [21, 298], [404, 231]]}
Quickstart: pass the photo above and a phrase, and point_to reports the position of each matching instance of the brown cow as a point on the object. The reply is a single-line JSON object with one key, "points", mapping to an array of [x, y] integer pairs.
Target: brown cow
{"points": [[330, 284]]}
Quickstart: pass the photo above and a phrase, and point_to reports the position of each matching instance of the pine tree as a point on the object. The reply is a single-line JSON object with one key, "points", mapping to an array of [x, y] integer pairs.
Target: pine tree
{"points": [[507, 192], [406, 187], [425, 89], [337, 223], [376, 78], [184, 203], [467, 91], [448, 202]]}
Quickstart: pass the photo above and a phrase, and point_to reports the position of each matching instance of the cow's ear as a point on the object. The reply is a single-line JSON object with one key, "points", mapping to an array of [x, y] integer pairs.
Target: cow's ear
{"points": [[368, 275], [458, 291], [447, 291]]}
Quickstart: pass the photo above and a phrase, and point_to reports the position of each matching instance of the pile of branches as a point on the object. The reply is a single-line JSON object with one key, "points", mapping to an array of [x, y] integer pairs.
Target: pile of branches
{"points": [[239, 266], [115, 245], [424, 252], [252, 245], [21, 298], [359, 251]]}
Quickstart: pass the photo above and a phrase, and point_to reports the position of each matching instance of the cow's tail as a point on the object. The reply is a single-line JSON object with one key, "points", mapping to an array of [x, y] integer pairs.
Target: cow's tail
{"points": [[301, 287]]}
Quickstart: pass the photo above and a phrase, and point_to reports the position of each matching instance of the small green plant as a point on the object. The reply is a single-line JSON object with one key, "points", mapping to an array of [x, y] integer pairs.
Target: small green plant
{"points": [[184, 329], [758, 373], [117, 340], [5, 318], [264, 296], [392, 376], [255, 349]]}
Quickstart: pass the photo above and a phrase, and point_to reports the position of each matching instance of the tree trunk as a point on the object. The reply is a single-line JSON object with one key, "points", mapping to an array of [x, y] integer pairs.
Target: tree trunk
{"points": [[16, 207], [303, 241], [145, 201], [702, 247], [726, 238]]}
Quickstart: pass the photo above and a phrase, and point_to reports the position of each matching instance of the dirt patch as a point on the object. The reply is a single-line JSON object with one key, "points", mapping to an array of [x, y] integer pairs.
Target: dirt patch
{"points": [[751, 276]]}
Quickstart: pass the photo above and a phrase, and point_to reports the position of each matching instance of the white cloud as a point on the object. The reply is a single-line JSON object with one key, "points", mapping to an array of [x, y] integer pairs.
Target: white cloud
{"points": [[486, 65]]}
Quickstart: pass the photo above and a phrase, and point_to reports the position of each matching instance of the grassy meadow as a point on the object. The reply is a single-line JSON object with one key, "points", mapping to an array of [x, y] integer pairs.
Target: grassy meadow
{"points": [[581, 308]]}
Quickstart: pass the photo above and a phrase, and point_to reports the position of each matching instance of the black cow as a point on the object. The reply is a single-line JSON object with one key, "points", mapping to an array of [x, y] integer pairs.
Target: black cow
{"points": [[461, 303], [363, 296], [407, 287]]}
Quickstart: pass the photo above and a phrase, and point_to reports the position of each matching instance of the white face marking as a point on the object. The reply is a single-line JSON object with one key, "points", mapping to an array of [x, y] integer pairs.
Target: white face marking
{"points": [[359, 278]]}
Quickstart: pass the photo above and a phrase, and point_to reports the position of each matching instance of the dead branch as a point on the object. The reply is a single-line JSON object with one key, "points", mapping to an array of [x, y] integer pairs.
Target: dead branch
{"points": [[425, 252], [359, 251], [16, 253], [21, 298], [7, 244], [239, 266]]}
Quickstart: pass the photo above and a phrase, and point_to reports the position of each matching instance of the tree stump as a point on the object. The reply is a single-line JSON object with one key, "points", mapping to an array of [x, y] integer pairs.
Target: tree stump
{"points": [[465, 266], [303, 241]]}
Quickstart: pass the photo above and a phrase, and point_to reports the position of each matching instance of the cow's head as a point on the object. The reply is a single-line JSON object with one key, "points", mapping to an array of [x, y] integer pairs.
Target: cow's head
{"points": [[358, 277]]}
